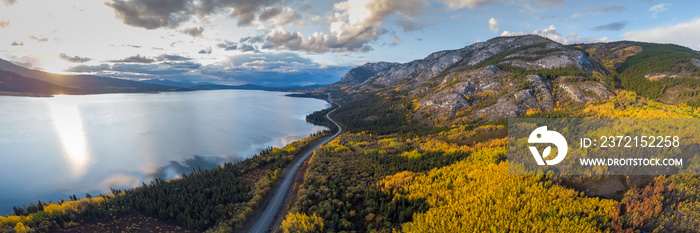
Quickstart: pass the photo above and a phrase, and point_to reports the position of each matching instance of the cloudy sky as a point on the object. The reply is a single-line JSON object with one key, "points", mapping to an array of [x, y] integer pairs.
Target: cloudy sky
{"points": [[297, 42]]}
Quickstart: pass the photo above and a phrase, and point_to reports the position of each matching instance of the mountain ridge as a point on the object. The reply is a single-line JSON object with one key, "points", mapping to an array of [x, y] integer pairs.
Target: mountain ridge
{"points": [[509, 76], [22, 81], [83, 84], [419, 71], [15, 84], [359, 74]]}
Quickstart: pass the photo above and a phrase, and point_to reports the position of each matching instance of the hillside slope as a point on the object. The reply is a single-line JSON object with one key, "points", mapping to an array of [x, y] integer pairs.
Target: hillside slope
{"points": [[511, 76], [359, 74], [84, 84], [14, 84], [667, 72]]}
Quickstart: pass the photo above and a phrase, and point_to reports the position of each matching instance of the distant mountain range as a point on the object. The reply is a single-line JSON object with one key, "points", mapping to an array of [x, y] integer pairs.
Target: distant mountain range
{"points": [[214, 86], [18, 80], [22, 80]]}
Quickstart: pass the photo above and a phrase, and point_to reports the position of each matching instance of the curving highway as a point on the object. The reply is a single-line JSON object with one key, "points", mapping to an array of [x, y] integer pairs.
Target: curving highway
{"points": [[268, 216]]}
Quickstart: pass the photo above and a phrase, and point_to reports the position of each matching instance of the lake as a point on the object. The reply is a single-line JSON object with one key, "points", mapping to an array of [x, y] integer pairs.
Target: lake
{"points": [[51, 148]]}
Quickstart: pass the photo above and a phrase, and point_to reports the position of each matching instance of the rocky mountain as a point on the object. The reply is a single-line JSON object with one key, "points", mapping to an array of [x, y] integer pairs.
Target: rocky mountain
{"points": [[78, 84], [14, 84], [359, 74], [528, 56], [509, 76]]}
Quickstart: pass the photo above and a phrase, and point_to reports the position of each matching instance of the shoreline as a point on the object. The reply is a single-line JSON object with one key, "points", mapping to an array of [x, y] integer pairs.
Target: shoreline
{"points": [[249, 153], [273, 208], [293, 92], [25, 94]]}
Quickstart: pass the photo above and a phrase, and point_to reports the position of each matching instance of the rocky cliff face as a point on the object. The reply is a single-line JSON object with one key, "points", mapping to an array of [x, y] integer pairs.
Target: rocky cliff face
{"points": [[493, 79], [537, 53], [491, 93]]}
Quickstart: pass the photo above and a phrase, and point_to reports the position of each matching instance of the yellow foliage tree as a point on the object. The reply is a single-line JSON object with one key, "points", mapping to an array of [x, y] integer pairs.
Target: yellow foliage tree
{"points": [[396, 181], [413, 154], [20, 228], [483, 197], [627, 104], [12, 220], [300, 222]]}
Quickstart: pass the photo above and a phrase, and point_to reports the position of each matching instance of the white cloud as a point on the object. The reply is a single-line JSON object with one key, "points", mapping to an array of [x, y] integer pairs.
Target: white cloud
{"points": [[8, 3], [278, 16], [360, 14], [573, 38], [315, 18], [397, 41], [353, 25], [29, 61], [73, 59], [280, 38], [193, 31], [686, 34], [658, 8], [493, 25], [549, 32], [552, 33], [525, 4], [578, 15], [150, 14], [509, 33], [39, 38], [458, 4]]}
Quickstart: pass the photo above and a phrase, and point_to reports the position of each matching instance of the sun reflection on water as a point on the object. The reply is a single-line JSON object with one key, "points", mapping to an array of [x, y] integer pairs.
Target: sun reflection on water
{"points": [[69, 126]]}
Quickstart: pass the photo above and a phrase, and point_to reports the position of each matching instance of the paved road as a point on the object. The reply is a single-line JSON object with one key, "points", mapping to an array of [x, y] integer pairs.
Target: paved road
{"points": [[268, 217]]}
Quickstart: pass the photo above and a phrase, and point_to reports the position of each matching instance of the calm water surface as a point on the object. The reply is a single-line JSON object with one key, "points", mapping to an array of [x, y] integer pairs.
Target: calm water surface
{"points": [[54, 147]]}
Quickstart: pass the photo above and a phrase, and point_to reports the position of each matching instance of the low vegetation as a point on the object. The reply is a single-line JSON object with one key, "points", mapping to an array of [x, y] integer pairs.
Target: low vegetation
{"points": [[456, 179]]}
